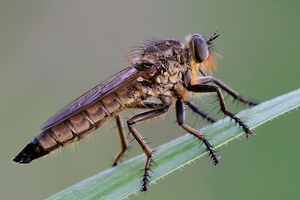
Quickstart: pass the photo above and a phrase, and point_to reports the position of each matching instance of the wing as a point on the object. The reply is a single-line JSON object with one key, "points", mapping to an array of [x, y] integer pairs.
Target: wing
{"points": [[97, 93]]}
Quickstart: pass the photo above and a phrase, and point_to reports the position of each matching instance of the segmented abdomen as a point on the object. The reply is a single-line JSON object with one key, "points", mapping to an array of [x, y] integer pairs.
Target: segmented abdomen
{"points": [[81, 124]]}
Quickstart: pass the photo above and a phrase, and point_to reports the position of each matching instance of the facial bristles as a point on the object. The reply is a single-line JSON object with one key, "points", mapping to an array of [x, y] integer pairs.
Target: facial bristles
{"points": [[210, 63]]}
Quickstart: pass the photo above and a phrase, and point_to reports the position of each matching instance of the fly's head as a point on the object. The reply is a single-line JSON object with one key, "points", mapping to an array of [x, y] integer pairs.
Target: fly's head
{"points": [[199, 53]]}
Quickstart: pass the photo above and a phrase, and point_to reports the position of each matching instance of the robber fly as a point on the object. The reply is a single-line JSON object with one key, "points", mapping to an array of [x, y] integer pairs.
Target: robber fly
{"points": [[164, 69]]}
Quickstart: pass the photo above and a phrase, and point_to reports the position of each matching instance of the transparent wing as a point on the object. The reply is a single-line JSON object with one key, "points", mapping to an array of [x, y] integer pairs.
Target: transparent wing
{"points": [[97, 93]]}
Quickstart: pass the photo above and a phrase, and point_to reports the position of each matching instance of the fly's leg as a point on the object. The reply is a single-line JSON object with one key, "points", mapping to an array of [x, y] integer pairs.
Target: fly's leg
{"points": [[180, 115], [154, 105], [122, 136], [123, 141], [231, 92], [200, 112], [213, 88], [148, 152], [146, 105]]}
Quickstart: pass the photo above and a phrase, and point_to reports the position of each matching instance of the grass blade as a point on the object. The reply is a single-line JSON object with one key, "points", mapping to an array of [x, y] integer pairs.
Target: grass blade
{"points": [[125, 179]]}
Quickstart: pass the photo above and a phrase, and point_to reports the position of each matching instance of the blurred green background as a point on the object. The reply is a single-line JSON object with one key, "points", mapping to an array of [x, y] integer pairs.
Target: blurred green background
{"points": [[53, 51]]}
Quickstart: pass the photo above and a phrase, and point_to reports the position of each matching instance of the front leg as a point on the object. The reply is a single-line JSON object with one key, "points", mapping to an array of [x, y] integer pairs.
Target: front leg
{"points": [[212, 88], [209, 79]]}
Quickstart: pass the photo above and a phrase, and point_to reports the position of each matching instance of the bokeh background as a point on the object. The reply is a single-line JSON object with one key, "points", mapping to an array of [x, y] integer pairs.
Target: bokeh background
{"points": [[53, 51]]}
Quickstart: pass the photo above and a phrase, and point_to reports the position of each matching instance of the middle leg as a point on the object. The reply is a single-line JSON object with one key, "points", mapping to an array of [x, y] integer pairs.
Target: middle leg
{"points": [[200, 112], [180, 115], [147, 150], [123, 141]]}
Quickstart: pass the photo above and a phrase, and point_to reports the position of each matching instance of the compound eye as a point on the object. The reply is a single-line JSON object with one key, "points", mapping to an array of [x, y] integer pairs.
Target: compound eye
{"points": [[200, 49]]}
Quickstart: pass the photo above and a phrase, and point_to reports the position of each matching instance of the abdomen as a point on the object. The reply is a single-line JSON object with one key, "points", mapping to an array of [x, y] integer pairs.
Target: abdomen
{"points": [[82, 124]]}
